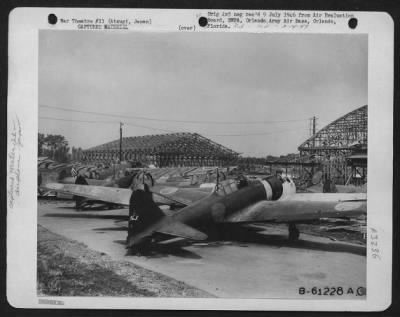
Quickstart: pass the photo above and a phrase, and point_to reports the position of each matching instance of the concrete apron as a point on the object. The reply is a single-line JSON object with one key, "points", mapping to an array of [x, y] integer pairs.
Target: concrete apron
{"points": [[274, 269]]}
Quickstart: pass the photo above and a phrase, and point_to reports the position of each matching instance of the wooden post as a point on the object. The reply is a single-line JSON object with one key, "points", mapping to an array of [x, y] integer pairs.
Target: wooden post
{"points": [[120, 141]]}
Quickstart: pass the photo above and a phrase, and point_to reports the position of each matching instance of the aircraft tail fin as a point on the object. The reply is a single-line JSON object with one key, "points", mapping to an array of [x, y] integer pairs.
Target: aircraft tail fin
{"points": [[146, 218], [178, 229], [143, 210]]}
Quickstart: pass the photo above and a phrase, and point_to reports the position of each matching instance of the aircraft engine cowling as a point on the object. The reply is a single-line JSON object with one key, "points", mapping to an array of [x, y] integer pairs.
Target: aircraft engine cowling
{"points": [[288, 188]]}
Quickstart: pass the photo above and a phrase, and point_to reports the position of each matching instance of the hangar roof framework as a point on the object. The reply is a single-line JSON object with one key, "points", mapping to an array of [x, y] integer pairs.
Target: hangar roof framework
{"points": [[173, 143], [163, 150], [339, 137]]}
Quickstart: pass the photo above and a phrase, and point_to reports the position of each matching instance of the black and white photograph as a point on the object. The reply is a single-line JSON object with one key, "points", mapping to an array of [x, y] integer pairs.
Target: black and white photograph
{"points": [[201, 165]]}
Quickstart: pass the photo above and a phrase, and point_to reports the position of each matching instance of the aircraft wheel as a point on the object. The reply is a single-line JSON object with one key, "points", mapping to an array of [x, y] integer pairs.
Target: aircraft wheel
{"points": [[294, 233]]}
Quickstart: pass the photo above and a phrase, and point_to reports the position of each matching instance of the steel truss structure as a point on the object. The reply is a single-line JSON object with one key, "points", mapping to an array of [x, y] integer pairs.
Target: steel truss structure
{"points": [[333, 145], [164, 150]]}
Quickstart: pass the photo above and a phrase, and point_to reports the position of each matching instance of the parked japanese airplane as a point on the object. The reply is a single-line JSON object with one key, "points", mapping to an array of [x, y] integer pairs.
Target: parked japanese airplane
{"points": [[126, 182], [273, 200]]}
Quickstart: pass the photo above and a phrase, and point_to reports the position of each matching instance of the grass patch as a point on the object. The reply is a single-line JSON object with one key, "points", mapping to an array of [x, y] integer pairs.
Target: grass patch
{"points": [[69, 268]]}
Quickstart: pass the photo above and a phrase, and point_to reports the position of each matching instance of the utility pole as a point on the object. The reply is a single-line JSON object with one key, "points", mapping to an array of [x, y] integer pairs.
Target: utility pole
{"points": [[120, 142], [313, 125], [313, 128]]}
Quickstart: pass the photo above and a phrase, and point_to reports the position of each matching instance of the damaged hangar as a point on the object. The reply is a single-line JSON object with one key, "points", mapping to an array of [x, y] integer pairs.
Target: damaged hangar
{"points": [[340, 148], [164, 150]]}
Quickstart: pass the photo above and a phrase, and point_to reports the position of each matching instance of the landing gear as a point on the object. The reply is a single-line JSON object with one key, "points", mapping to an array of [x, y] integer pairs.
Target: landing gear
{"points": [[294, 233], [80, 204]]}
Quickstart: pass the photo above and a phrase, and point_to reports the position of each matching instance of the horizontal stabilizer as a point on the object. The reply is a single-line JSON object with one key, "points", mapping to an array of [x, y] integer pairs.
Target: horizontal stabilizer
{"points": [[179, 229], [173, 240]]}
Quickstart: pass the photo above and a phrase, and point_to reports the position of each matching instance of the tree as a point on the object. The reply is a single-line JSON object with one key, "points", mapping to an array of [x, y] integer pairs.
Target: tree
{"points": [[41, 141], [76, 154], [54, 146]]}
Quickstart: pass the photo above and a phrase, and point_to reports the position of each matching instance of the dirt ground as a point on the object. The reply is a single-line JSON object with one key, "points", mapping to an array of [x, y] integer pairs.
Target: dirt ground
{"points": [[69, 268]]}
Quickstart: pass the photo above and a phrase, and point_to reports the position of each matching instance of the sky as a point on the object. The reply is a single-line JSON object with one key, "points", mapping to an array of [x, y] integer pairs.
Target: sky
{"points": [[254, 93]]}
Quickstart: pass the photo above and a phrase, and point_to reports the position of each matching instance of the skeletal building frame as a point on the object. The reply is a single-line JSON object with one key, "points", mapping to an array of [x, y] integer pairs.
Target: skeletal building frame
{"points": [[333, 146], [164, 150]]}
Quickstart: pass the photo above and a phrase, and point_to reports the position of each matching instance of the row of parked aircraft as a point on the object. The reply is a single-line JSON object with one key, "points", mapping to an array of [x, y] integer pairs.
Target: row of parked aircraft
{"points": [[272, 199]]}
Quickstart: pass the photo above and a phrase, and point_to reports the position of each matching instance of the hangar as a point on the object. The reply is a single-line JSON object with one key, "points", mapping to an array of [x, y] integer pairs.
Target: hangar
{"points": [[341, 147], [163, 150]]}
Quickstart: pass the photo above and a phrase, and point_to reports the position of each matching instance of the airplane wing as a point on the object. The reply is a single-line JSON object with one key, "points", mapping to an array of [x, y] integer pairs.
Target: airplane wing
{"points": [[163, 194], [94, 182], [318, 188], [302, 208], [113, 195]]}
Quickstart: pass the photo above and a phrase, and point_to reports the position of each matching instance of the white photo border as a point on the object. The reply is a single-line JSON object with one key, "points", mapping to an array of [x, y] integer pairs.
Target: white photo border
{"points": [[22, 116]]}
